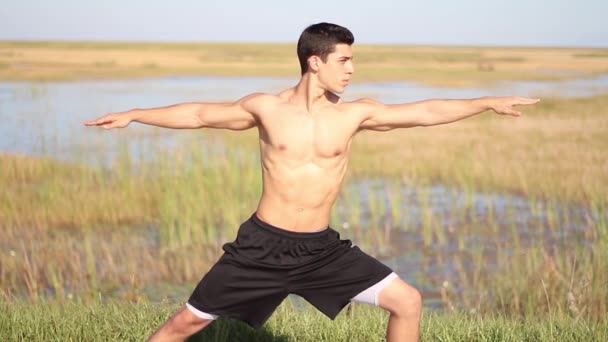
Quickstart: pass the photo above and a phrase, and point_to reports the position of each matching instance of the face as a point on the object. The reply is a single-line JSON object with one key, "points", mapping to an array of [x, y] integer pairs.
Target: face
{"points": [[335, 74]]}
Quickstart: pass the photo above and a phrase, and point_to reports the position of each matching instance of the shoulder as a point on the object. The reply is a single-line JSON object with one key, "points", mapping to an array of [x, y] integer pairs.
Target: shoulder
{"points": [[361, 106], [257, 101], [367, 101], [257, 97], [363, 103]]}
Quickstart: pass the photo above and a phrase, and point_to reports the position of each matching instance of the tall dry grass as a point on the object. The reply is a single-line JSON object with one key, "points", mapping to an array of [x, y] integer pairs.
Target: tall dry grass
{"points": [[453, 66]]}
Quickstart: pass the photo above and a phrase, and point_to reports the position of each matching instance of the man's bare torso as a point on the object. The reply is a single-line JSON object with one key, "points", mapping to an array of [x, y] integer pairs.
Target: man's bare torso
{"points": [[304, 159]]}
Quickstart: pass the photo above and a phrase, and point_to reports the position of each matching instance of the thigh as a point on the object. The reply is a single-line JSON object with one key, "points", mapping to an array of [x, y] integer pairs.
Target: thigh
{"points": [[331, 287], [234, 290], [371, 295]]}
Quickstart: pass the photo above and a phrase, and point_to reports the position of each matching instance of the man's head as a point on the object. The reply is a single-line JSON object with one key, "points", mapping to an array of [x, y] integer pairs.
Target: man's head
{"points": [[325, 49]]}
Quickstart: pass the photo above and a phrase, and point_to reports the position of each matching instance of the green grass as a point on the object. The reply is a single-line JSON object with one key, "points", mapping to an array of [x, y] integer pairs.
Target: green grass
{"points": [[92, 321]]}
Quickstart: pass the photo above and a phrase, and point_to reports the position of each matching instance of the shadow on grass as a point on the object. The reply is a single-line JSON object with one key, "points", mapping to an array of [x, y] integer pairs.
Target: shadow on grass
{"points": [[235, 331]]}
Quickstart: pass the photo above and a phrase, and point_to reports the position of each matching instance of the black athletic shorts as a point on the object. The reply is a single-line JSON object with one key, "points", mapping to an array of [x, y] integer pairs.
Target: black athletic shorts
{"points": [[266, 263]]}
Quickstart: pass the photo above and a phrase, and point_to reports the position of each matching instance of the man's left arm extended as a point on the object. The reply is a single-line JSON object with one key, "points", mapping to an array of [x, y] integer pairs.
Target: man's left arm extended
{"points": [[383, 117]]}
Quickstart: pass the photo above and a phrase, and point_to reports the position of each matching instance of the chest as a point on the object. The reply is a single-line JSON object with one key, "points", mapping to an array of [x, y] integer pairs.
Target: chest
{"points": [[305, 136]]}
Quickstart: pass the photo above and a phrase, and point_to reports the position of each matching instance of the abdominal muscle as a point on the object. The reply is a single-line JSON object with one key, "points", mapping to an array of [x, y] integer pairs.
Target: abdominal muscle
{"points": [[300, 198]]}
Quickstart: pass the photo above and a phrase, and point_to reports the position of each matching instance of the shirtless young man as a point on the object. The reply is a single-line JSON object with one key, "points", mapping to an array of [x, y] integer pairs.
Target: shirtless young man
{"points": [[287, 246]]}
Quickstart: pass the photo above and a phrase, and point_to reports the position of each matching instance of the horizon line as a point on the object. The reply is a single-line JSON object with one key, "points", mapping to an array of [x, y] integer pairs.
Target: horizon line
{"points": [[178, 42]]}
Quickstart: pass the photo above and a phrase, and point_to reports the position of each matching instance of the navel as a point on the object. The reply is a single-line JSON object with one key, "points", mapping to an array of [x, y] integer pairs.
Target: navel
{"points": [[337, 153]]}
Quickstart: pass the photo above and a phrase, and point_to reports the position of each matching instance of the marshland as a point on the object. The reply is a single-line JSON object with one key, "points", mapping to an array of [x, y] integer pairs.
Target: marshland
{"points": [[501, 222]]}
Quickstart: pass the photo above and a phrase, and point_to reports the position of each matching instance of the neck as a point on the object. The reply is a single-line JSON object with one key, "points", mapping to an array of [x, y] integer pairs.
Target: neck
{"points": [[309, 93]]}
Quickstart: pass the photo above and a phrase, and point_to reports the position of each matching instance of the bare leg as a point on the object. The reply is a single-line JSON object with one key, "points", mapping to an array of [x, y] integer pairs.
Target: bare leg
{"points": [[180, 326], [405, 306]]}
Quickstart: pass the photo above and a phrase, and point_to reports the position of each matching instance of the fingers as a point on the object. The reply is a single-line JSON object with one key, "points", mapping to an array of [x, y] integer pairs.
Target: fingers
{"points": [[517, 101], [510, 111], [96, 122], [526, 101], [112, 124], [101, 121], [118, 123], [515, 113]]}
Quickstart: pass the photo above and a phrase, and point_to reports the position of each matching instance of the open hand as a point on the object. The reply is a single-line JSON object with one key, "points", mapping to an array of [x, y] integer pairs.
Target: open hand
{"points": [[114, 120], [504, 105]]}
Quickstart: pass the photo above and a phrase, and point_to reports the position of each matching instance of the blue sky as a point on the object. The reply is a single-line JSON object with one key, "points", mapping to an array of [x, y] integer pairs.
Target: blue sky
{"points": [[464, 22]]}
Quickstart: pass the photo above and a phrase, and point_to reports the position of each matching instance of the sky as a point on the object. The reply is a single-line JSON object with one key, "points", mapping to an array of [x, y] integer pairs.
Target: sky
{"points": [[565, 23]]}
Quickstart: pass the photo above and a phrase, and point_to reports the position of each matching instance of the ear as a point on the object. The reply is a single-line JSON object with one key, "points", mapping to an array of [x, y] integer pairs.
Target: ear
{"points": [[313, 63]]}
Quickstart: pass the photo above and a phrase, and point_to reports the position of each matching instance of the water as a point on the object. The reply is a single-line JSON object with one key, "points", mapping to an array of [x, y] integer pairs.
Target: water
{"points": [[397, 92], [46, 118]]}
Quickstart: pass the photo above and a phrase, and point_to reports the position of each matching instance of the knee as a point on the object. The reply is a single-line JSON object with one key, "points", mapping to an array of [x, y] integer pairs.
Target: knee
{"points": [[180, 326], [186, 322], [413, 300], [410, 303], [403, 300]]}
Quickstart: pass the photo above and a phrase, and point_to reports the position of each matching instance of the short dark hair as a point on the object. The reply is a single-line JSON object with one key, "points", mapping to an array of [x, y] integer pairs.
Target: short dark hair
{"points": [[320, 40]]}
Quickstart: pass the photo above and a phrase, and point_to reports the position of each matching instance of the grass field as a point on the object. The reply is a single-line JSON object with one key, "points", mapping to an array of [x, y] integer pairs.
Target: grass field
{"points": [[452, 66], [134, 322]]}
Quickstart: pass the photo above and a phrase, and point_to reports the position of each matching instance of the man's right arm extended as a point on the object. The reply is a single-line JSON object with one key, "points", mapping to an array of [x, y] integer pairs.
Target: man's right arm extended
{"points": [[230, 115]]}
